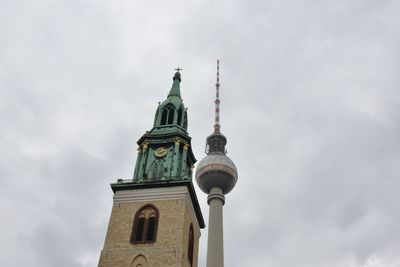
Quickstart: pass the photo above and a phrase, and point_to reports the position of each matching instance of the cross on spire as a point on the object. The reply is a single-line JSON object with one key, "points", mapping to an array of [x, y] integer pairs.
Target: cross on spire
{"points": [[177, 75]]}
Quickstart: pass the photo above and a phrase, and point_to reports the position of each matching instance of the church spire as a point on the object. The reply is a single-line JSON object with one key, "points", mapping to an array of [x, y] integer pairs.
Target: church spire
{"points": [[165, 153]]}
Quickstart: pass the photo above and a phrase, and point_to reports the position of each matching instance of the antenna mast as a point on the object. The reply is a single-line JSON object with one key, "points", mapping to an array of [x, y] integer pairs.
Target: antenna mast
{"points": [[217, 126]]}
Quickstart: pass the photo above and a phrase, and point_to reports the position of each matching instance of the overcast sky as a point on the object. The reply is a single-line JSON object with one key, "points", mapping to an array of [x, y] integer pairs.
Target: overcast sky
{"points": [[310, 107]]}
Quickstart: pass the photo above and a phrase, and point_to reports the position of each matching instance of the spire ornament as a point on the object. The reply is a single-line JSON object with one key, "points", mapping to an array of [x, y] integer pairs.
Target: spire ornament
{"points": [[177, 75]]}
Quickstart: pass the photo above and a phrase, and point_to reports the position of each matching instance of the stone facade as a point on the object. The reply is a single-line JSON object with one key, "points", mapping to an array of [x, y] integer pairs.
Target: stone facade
{"points": [[170, 249]]}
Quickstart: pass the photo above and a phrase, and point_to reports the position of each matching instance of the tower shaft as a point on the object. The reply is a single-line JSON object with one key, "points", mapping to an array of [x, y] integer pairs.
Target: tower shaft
{"points": [[215, 248]]}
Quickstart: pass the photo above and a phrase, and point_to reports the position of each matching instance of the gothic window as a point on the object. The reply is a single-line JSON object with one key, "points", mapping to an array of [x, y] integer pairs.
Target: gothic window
{"points": [[157, 168], [191, 245], [145, 225], [180, 116], [167, 116], [185, 121]]}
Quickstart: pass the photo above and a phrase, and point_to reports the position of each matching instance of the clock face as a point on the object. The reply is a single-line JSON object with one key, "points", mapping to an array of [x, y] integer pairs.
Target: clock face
{"points": [[161, 152]]}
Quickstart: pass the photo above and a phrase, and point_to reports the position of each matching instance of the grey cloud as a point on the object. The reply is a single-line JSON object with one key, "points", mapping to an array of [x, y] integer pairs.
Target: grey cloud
{"points": [[309, 106]]}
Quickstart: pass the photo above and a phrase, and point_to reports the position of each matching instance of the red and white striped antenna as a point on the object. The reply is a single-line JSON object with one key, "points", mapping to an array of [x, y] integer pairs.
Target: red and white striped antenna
{"points": [[217, 126]]}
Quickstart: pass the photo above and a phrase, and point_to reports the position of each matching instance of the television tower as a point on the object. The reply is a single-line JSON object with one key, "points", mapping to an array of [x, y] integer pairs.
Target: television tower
{"points": [[216, 175]]}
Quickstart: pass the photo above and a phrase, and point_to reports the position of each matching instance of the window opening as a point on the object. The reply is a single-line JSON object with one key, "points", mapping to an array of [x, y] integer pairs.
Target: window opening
{"points": [[179, 116], [191, 245], [140, 228], [167, 116], [185, 122], [145, 225]]}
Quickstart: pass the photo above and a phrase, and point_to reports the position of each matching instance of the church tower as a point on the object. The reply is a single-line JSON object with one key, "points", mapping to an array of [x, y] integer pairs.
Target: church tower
{"points": [[156, 218]]}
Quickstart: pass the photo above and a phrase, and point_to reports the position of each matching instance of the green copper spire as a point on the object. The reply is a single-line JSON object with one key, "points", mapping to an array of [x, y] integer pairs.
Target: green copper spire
{"points": [[165, 152], [171, 114]]}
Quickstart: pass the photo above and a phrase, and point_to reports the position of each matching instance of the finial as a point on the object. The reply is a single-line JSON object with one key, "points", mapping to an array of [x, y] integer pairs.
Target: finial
{"points": [[217, 126], [177, 75]]}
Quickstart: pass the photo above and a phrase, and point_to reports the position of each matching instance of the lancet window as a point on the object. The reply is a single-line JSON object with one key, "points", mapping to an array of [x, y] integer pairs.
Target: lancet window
{"points": [[180, 116], [191, 245], [167, 116], [185, 120], [145, 225]]}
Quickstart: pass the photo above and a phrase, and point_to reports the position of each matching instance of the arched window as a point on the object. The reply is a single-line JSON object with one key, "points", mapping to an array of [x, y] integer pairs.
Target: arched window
{"points": [[185, 121], [167, 116], [191, 245], [145, 225], [179, 116]]}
